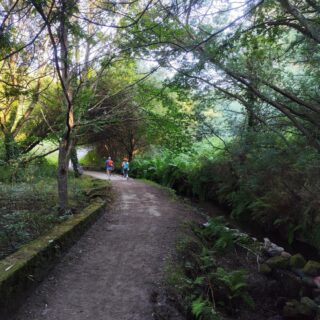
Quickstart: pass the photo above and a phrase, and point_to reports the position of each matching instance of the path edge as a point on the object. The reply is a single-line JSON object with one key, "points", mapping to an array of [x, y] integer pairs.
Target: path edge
{"points": [[24, 269]]}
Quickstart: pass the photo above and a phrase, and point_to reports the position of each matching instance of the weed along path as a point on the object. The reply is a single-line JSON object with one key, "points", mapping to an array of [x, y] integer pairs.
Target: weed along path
{"points": [[115, 271]]}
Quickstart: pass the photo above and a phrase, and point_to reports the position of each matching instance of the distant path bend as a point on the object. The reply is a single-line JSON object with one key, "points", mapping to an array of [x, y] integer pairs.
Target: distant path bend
{"points": [[115, 271]]}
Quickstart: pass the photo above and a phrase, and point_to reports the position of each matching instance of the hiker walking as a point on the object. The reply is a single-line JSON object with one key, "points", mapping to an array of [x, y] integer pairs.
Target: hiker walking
{"points": [[109, 167], [125, 168]]}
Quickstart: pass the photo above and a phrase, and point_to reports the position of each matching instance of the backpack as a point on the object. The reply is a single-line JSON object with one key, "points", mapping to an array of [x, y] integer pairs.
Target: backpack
{"points": [[126, 165], [109, 163]]}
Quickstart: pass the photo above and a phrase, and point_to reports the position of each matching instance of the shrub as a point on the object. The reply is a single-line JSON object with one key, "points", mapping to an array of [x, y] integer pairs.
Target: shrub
{"points": [[206, 289], [261, 179], [28, 202], [93, 159]]}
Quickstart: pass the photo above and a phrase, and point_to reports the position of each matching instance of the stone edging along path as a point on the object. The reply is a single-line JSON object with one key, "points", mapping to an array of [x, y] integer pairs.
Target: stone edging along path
{"points": [[21, 271]]}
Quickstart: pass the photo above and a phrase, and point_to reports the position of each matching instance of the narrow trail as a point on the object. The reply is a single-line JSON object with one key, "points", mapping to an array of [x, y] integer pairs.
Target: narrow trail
{"points": [[115, 271]]}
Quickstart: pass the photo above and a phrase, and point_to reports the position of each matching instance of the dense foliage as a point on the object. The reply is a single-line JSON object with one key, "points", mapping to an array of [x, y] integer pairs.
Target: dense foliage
{"points": [[217, 99], [263, 182], [210, 276], [28, 202]]}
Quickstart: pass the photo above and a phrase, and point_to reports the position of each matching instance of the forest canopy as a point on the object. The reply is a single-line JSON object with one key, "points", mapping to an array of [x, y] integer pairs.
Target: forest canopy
{"points": [[219, 99]]}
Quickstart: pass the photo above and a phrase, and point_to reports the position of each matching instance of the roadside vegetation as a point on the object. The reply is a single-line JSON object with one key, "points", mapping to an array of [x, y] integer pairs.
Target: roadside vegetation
{"points": [[211, 272], [265, 183], [28, 202], [218, 100], [221, 273]]}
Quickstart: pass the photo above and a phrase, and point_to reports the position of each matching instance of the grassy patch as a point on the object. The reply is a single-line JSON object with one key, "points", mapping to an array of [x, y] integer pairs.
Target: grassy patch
{"points": [[28, 203]]}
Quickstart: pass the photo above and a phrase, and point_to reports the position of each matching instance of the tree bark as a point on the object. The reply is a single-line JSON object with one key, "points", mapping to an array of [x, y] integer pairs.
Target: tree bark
{"points": [[63, 161], [75, 162], [11, 147], [66, 142], [308, 25]]}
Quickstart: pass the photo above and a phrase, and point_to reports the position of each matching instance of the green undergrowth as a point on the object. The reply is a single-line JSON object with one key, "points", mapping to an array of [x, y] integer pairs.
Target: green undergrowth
{"points": [[260, 179], [209, 275], [93, 159], [28, 202]]}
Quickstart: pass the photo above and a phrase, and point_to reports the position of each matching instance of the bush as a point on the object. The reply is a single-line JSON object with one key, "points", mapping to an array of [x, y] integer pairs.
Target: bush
{"points": [[27, 172], [93, 159], [262, 181], [205, 288]]}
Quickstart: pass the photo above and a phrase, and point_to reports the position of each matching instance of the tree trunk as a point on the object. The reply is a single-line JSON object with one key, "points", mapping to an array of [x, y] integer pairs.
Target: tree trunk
{"points": [[11, 147], [66, 142], [75, 162], [132, 147], [63, 161]]}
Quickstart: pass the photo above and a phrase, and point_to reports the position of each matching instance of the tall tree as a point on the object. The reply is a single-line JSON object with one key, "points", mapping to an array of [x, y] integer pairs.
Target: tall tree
{"points": [[83, 35], [213, 42]]}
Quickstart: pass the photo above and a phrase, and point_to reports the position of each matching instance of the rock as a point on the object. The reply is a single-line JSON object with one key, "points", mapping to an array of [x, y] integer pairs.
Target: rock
{"points": [[285, 254], [276, 251], [308, 281], [310, 303], [297, 261], [298, 272], [264, 268], [296, 310], [278, 262], [267, 242], [316, 292], [289, 284], [271, 249], [316, 280], [312, 268], [317, 300]]}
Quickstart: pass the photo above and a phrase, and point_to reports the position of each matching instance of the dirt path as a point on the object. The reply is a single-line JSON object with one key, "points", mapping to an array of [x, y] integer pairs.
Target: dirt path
{"points": [[115, 271]]}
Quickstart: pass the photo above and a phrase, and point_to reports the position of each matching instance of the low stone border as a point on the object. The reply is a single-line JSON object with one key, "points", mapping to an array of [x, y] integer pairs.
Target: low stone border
{"points": [[23, 269]]}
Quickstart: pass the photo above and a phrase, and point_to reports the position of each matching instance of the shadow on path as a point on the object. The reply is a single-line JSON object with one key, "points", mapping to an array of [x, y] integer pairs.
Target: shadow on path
{"points": [[115, 271]]}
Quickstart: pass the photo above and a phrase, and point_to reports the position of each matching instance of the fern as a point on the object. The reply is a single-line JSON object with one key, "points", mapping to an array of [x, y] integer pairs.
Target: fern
{"points": [[198, 306], [203, 309], [235, 282]]}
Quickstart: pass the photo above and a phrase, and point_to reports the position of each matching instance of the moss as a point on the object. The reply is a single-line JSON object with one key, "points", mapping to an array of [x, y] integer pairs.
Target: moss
{"points": [[297, 261], [21, 270], [28, 209], [264, 268], [278, 262], [312, 268], [295, 310]]}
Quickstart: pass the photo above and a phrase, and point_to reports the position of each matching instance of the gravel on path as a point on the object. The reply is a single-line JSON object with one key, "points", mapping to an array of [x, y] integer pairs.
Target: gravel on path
{"points": [[115, 271]]}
